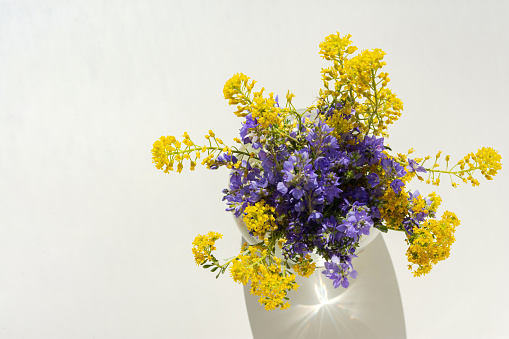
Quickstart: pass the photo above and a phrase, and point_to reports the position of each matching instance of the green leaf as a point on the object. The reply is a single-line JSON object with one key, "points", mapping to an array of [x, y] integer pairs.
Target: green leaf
{"points": [[214, 269], [206, 266]]}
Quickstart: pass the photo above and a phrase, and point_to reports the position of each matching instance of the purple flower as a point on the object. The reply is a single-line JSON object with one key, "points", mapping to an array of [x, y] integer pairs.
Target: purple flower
{"points": [[356, 222], [415, 195], [322, 164], [375, 212], [370, 150], [387, 164], [223, 159], [297, 192], [396, 185], [245, 132], [338, 270], [391, 166], [282, 188], [288, 169], [315, 216], [400, 170], [373, 179], [413, 166], [332, 192]]}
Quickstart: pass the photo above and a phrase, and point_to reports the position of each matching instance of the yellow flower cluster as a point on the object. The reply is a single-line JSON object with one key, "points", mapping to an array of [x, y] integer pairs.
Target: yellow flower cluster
{"points": [[259, 218], [418, 204], [390, 108], [394, 208], [431, 243], [203, 245], [305, 266], [359, 86], [268, 281], [486, 160], [339, 123], [436, 200], [489, 161], [162, 147], [360, 69], [334, 47], [265, 109], [167, 150], [237, 91]]}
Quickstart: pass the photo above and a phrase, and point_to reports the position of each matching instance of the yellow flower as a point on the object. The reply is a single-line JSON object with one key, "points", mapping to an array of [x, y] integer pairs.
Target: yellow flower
{"points": [[305, 266], [488, 160], [394, 208], [357, 83], [259, 218], [203, 245], [334, 47], [268, 280], [431, 243], [236, 90]]}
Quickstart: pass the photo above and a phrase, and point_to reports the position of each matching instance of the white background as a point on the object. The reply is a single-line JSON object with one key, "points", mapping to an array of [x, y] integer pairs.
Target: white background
{"points": [[96, 243]]}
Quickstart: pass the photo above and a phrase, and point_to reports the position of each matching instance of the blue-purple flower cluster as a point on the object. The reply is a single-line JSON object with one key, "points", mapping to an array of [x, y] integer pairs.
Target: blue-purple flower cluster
{"points": [[324, 190]]}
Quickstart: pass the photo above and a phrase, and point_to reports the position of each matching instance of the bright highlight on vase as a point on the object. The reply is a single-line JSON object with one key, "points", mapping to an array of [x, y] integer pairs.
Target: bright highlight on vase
{"points": [[317, 181]]}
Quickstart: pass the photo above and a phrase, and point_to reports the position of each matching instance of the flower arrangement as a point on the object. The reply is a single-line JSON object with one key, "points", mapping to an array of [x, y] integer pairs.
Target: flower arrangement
{"points": [[317, 181]]}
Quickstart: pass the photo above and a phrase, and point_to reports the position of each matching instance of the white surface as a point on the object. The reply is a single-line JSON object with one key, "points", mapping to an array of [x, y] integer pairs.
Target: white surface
{"points": [[95, 243]]}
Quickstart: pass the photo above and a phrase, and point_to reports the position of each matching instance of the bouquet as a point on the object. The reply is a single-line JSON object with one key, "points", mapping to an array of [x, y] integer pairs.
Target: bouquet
{"points": [[315, 181]]}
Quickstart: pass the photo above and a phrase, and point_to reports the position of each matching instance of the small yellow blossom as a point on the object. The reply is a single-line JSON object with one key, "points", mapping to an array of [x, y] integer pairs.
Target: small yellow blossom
{"points": [[259, 218], [203, 245], [268, 280], [431, 243], [305, 266]]}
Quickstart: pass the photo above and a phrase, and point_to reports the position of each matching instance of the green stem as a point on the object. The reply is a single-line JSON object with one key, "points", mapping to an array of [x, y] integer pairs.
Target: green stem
{"points": [[455, 172], [375, 112], [471, 169], [190, 150], [245, 96], [286, 135]]}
